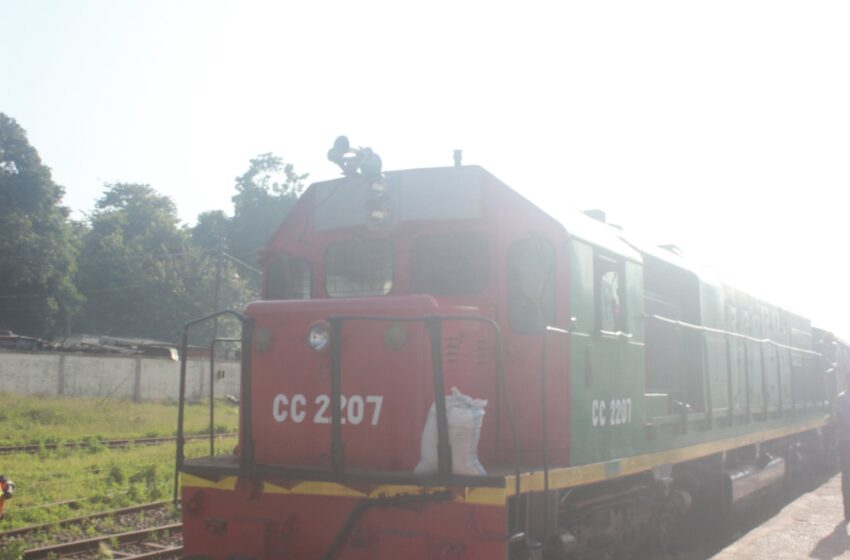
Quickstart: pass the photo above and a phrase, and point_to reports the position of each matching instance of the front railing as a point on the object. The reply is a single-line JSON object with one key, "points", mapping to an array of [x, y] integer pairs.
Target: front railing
{"points": [[213, 345], [246, 436], [433, 326]]}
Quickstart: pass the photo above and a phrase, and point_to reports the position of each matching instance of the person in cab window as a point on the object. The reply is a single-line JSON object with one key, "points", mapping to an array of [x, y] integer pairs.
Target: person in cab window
{"points": [[610, 301]]}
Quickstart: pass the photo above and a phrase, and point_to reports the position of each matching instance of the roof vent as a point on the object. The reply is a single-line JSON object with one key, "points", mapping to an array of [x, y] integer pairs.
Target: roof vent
{"points": [[596, 214], [458, 157], [675, 249]]}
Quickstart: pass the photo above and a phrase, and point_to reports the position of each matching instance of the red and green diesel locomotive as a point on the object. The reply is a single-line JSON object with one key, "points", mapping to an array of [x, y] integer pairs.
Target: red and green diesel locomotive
{"points": [[626, 388]]}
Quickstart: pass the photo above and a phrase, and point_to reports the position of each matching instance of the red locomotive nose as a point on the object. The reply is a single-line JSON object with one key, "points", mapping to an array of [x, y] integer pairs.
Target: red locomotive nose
{"points": [[384, 354]]}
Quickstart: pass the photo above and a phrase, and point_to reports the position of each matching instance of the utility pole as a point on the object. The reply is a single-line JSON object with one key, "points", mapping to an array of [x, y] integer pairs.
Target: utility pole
{"points": [[216, 298]]}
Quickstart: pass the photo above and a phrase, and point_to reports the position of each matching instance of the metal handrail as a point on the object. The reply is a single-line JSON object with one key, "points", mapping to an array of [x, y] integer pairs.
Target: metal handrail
{"points": [[433, 325], [544, 407], [246, 431], [732, 334], [212, 389]]}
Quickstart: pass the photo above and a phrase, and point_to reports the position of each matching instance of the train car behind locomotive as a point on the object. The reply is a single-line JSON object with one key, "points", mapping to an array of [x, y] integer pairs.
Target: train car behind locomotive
{"points": [[625, 388]]}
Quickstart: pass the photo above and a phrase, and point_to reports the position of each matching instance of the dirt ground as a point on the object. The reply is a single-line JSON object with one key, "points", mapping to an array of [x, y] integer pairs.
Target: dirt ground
{"points": [[812, 526]]}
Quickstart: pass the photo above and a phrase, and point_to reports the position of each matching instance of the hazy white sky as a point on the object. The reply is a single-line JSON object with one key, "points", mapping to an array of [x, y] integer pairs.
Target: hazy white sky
{"points": [[721, 126]]}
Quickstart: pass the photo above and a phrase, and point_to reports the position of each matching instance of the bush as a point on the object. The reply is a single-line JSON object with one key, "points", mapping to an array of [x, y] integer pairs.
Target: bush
{"points": [[115, 476], [12, 551]]}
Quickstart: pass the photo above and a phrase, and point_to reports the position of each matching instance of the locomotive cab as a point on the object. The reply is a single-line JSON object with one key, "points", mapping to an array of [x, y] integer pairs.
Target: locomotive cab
{"points": [[417, 245]]}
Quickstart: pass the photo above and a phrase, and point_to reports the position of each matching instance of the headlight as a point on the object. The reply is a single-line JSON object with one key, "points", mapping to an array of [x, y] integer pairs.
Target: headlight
{"points": [[380, 215], [379, 188], [319, 336], [379, 204]]}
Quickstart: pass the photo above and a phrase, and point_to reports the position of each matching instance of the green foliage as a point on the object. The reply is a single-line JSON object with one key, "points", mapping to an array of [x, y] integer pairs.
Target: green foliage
{"points": [[130, 259], [44, 483], [149, 276], [146, 474], [130, 269], [116, 475], [94, 444], [38, 244], [211, 231], [265, 194], [12, 551], [40, 420]]}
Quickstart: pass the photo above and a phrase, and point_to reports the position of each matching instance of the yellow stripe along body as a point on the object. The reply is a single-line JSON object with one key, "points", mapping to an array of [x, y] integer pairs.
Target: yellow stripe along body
{"points": [[559, 477]]}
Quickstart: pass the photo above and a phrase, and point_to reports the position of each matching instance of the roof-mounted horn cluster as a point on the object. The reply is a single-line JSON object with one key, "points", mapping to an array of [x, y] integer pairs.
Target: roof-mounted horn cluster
{"points": [[355, 162]]}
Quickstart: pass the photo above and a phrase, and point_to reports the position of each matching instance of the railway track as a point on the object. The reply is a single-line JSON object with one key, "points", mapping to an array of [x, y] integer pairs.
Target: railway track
{"points": [[162, 541], [143, 531], [56, 525], [109, 443]]}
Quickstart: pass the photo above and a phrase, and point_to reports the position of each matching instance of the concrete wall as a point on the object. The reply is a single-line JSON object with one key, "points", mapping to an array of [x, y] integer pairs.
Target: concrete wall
{"points": [[136, 378]]}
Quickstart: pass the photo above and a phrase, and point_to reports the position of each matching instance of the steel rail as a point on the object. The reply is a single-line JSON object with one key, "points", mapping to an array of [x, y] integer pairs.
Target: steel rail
{"points": [[131, 537], [73, 503], [108, 443], [167, 552], [82, 519]]}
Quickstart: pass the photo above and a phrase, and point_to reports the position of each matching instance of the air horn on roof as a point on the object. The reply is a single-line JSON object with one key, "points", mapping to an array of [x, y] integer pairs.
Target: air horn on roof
{"points": [[355, 162]]}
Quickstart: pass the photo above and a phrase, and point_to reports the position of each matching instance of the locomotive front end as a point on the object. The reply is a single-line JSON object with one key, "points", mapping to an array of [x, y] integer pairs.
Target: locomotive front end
{"points": [[378, 309]]}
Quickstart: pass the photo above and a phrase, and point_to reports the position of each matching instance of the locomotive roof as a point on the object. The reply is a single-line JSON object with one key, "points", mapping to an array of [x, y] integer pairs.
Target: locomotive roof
{"points": [[623, 244], [576, 223], [583, 227], [596, 233], [672, 258]]}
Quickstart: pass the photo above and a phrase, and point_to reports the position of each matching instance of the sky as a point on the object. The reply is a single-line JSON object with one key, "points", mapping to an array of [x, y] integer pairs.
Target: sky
{"points": [[722, 127]]}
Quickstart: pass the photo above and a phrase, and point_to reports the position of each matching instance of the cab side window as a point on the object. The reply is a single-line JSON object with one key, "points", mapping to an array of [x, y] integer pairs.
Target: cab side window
{"points": [[289, 278], [609, 290], [531, 285]]}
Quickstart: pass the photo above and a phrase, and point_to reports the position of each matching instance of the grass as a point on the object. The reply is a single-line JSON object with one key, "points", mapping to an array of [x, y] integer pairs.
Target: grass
{"points": [[36, 420], [104, 478]]}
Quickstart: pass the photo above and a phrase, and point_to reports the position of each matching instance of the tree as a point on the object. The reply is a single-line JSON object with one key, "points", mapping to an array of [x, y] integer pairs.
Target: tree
{"points": [[144, 276], [37, 244], [264, 196], [211, 230], [127, 265]]}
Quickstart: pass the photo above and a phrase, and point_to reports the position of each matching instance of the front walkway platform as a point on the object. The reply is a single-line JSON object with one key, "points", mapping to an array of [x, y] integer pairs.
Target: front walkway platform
{"points": [[812, 526]]}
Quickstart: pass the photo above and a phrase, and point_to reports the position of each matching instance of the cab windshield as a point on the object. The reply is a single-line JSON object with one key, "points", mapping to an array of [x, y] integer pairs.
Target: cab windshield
{"points": [[359, 268], [454, 264]]}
